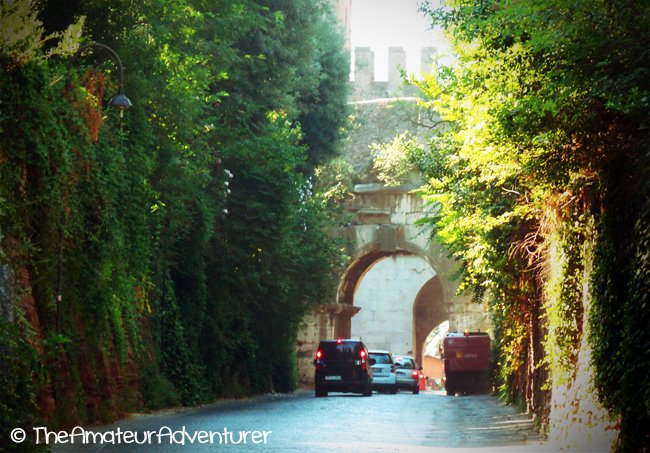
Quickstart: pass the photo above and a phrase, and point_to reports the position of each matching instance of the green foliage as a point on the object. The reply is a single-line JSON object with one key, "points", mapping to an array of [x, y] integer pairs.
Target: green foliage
{"points": [[324, 105], [276, 262], [545, 102], [620, 318], [333, 182], [183, 237], [18, 377], [393, 160], [21, 35], [569, 250], [157, 391]]}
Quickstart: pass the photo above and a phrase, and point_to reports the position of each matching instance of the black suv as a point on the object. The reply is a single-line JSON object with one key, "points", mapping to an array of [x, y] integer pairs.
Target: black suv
{"points": [[343, 366]]}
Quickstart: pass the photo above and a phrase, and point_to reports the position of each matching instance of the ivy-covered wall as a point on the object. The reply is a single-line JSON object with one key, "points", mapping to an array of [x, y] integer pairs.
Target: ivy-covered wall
{"points": [[164, 255], [541, 183]]}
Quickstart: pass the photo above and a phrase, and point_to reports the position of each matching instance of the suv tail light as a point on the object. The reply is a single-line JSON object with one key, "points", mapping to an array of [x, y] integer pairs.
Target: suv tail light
{"points": [[392, 368], [319, 354], [415, 374], [364, 364]]}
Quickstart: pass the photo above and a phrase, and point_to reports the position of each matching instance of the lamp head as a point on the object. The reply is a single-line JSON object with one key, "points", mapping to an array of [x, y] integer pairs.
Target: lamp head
{"points": [[120, 101]]}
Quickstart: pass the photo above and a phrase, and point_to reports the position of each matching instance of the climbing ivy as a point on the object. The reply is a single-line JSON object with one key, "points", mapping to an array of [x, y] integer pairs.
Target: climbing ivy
{"points": [[570, 249], [541, 166], [184, 236], [620, 286]]}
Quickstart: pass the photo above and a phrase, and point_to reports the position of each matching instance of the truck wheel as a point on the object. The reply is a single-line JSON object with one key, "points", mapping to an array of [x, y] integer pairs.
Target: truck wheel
{"points": [[416, 390], [367, 390]]}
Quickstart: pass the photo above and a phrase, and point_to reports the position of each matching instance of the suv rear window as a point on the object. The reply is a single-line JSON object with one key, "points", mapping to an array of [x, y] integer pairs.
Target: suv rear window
{"points": [[336, 351]]}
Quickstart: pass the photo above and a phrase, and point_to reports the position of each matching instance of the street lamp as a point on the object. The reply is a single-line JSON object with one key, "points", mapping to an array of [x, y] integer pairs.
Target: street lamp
{"points": [[119, 101]]}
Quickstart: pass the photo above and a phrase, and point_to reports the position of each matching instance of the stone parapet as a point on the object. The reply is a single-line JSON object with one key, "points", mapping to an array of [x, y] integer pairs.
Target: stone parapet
{"points": [[366, 87]]}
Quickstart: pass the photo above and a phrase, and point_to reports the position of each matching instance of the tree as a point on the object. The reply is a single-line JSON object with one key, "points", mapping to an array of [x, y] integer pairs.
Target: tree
{"points": [[547, 102]]}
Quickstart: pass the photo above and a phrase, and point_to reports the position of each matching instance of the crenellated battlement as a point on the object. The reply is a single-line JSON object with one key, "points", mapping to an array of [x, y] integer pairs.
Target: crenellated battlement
{"points": [[364, 86]]}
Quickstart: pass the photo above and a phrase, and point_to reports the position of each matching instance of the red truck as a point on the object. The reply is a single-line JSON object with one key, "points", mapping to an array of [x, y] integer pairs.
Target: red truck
{"points": [[466, 361]]}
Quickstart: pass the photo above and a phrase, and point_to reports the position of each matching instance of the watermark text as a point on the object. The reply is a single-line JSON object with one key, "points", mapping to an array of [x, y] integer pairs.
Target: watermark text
{"points": [[163, 435]]}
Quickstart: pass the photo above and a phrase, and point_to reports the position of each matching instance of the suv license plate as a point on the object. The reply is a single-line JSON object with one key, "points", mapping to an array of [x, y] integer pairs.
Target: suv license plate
{"points": [[332, 378]]}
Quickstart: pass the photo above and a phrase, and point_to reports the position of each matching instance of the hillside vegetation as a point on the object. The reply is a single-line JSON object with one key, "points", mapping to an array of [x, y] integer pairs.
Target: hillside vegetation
{"points": [[164, 256], [540, 175]]}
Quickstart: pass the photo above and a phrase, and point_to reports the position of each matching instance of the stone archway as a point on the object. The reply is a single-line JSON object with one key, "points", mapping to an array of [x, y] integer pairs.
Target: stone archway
{"points": [[358, 268], [350, 283], [384, 224]]}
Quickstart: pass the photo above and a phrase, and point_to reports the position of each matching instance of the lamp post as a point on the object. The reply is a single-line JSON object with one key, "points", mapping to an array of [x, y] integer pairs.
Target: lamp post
{"points": [[118, 101]]}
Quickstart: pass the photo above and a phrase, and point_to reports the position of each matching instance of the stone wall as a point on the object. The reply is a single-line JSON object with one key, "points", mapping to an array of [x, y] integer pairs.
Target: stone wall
{"points": [[577, 420], [381, 110], [365, 87]]}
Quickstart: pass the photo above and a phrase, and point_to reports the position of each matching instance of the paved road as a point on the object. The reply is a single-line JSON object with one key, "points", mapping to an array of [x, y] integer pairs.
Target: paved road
{"points": [[341, 422]]}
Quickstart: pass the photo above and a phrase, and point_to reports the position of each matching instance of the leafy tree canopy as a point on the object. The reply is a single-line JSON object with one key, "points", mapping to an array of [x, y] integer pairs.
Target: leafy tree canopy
{"points": [[184, 237], [545, 102]]}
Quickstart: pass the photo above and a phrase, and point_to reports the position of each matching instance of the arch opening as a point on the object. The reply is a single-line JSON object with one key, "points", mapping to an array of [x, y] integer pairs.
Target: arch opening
{"points": [[429, 311], [358, 269], [384, 294]]}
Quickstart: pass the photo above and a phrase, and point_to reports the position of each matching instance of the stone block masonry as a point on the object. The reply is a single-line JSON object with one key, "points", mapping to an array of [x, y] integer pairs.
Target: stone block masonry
{"points": [[364, 87]]}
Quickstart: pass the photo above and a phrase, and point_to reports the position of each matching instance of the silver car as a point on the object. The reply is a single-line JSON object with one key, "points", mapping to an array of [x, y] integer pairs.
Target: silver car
{"points": [[383, 371], [407, 373]]}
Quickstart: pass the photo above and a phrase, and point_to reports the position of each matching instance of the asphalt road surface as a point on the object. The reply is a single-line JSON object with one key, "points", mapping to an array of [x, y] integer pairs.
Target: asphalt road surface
{"points": [[300, 422]]}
